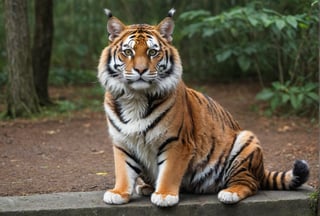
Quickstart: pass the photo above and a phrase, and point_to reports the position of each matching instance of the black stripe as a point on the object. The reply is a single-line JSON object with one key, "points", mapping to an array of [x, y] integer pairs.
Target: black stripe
{"points": [[209, 103], [274, 179], [165, 143], [158, 119], [225, 163], [218, 165], [239, 152], [219, 162], [260, 168], [136, 169], [167, 57], [245, 181], [117, 107], [111, 72], [117, 65], [250, 157], [268, 186], [161, 162], [283, 183], [193, 175], [114, 125], [166, 73], [194, 94], [142, 30], [202, 164], [209, 99], [205, 177], [169, 71], [190, 113], [154, 101], [208, 157], [128, 154], [169, 140], [232, 123], [242, 169]]}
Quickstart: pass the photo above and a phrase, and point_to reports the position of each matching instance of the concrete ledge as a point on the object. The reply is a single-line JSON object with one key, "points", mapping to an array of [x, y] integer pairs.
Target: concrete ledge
{"points": [[265, 203]]}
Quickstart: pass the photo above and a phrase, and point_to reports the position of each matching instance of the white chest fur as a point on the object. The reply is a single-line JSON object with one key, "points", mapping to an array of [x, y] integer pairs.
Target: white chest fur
{"points": [[131, 129]]}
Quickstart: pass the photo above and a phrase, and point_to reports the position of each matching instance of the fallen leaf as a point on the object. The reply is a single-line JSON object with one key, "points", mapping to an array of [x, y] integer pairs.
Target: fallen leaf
{"points": [[101, 173], [284, 128], [97, 152], [51, 132]]}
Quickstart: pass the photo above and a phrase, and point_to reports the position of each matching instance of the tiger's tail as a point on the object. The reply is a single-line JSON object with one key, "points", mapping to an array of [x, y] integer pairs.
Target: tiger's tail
{"points": [[288, 180]]}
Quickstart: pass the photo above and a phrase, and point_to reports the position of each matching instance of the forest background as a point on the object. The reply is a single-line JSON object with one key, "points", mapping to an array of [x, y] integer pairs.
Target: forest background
{"points": [[274, 43]]}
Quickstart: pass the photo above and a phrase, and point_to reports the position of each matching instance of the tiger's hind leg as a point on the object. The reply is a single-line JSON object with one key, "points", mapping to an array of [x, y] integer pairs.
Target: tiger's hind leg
{"points": [[244, 170]]}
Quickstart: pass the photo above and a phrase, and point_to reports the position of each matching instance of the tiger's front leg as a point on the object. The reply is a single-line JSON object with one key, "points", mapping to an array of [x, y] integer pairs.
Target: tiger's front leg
{"points": [[172, 166], [126, 172]]}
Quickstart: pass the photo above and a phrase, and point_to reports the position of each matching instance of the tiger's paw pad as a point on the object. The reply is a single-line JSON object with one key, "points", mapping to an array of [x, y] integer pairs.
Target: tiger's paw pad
{"points": [[228, 197], [114, 198], [164, 200], [144, 190]]}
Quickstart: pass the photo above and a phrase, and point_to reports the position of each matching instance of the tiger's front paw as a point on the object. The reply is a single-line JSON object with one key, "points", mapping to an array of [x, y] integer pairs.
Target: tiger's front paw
{"points": [[164, 200], [112, 197], [228, 197]]}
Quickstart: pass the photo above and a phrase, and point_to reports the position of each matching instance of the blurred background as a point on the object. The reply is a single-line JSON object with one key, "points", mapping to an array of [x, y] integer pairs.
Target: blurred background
{"points": [[272, 43]]}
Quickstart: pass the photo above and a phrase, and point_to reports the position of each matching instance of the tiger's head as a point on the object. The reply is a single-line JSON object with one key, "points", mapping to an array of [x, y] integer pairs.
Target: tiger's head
{"points": [[140, 57]]}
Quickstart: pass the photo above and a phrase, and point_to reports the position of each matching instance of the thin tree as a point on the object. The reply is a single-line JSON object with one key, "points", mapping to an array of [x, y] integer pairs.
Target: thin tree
{"points": [[22, 99], [42, 44]]}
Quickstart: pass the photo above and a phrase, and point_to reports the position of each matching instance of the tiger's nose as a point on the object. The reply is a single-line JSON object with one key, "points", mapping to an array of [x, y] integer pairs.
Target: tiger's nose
{"points": [[140, 64], [140, 70]]}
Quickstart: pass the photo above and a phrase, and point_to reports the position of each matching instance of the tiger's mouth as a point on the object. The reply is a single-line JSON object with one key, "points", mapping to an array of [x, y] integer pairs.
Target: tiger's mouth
{"points": [[140, 84], [140, 81]]}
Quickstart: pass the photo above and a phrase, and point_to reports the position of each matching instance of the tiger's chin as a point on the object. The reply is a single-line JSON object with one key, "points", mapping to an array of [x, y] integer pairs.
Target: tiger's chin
{"points": [[140, 85]]}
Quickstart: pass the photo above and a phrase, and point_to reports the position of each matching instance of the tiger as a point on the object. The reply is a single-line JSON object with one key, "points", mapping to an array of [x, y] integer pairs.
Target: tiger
{"points": [[167, 138]]}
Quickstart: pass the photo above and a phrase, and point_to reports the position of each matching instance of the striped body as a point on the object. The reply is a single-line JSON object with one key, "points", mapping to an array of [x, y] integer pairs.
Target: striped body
{"points": [[172, 137]]}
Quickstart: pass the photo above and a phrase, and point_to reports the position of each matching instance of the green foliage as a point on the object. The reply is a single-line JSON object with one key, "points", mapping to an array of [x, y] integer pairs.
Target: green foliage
{"points": [[89, 99], [65, 106], [257, 39], [3, 78], [60, 76], [313, 197], [284, 97]]}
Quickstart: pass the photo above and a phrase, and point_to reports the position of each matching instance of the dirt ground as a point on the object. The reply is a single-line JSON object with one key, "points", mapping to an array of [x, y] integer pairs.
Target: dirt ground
{"points": [[74, 153]]}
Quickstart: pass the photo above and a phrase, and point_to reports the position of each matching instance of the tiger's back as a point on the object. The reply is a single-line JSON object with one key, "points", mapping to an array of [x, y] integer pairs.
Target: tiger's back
{"points": [[173, 137]]}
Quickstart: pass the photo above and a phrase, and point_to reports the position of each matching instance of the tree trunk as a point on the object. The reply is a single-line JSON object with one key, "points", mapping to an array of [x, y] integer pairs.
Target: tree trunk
{"points": [[41, 52], [21, 96]]}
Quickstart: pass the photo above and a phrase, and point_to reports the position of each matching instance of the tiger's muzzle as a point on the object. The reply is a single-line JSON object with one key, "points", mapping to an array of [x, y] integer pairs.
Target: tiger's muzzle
{"points": [[140, 79]]}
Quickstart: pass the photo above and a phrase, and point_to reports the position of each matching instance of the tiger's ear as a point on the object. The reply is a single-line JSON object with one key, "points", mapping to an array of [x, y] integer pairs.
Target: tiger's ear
{"points": [[114, 26], [166, 26]]}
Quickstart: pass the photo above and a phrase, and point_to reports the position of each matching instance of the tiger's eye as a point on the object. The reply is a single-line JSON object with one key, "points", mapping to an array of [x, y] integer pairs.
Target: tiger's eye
{"points": [[128, 52], [152, 52]]}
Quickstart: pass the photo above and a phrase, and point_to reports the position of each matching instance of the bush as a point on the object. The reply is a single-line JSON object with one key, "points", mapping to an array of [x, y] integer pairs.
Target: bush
{"points": [[259, 40], [291, 99]]}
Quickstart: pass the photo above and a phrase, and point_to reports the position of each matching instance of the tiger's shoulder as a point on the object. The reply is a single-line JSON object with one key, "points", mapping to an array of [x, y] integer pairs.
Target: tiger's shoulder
{"points": [[208, 108]]}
